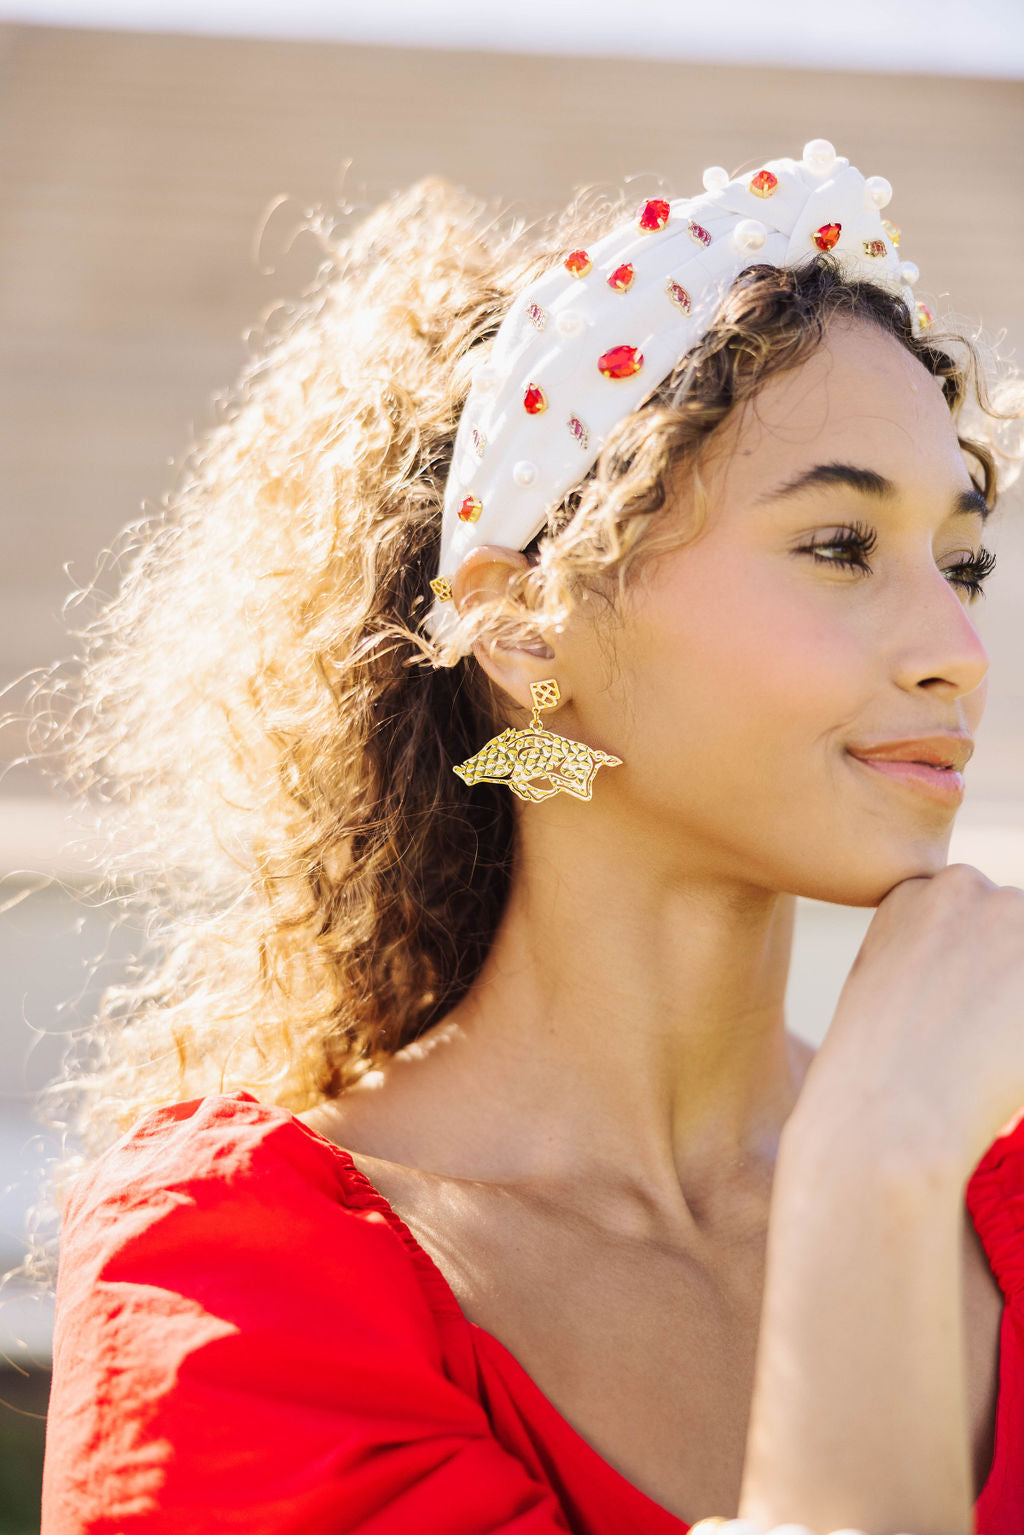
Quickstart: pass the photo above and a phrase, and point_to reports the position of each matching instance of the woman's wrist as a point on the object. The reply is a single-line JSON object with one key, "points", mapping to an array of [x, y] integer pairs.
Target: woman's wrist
{"points": [[859, 1413], [893, 1141]]}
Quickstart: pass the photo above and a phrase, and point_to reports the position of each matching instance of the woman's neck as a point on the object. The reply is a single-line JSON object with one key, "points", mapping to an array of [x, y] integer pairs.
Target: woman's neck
{"points": [[627, 1028]]}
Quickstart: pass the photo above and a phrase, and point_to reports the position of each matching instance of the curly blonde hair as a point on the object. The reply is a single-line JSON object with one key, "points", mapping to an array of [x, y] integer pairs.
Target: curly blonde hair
{"points": [[271, 733]]}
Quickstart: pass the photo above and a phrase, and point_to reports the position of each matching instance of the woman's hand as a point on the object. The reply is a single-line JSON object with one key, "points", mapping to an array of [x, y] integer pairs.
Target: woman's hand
{"points": [[927, 1042], [860, 1409]]}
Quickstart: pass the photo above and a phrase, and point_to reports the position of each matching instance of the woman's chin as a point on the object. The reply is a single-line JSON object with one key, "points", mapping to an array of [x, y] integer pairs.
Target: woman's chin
{"points": [[866, 881]]}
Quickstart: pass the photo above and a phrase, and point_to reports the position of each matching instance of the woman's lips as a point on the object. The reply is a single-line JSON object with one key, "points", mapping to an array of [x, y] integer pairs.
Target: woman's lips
{"points": [[943, 784]]}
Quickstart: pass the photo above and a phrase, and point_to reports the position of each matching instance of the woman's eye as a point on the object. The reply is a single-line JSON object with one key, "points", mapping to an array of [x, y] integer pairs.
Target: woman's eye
{"points": [[970, 574], [850, 547], [838, 554]]}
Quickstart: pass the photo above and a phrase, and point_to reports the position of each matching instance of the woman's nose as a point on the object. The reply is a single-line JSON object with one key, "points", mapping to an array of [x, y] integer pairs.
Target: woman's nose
{"points": [[941, 648]]}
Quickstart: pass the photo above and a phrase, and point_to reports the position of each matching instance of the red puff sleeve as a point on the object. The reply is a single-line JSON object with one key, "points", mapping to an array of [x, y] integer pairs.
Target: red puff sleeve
{"points": [[995, 1199], [237, 1349]]}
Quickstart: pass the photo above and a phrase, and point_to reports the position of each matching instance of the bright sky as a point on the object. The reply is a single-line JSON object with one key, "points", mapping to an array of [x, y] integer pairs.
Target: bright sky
{"points": [[960, 37]]}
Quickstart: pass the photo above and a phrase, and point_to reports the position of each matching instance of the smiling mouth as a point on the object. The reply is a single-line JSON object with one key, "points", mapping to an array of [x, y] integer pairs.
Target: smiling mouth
{"points": [[937, 781]]}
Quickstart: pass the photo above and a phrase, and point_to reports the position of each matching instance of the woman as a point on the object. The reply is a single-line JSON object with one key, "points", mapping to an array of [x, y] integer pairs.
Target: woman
{"points": [[468, 1177]]}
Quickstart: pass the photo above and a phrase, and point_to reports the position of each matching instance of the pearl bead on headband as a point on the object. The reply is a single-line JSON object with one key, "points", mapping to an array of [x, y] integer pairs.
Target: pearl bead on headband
{"points": [[585, 343]]}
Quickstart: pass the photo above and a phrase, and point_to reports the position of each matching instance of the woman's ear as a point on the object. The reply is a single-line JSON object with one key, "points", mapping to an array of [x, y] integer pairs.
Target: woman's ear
{"points": [[487, 571]]}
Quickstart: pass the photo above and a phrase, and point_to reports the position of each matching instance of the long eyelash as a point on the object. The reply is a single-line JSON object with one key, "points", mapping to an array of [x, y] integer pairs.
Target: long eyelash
{"points": [[859, 540], [852, 536], [978, 571]]}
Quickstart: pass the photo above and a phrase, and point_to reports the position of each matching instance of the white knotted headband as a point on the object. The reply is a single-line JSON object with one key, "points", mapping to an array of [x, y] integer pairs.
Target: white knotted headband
{"points": [[585, 343]]}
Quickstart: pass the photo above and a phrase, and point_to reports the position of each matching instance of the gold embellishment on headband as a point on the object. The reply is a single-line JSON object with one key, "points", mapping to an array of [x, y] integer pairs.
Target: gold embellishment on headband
{"points": [[620, 361], [925, 318], [874, 248], [577, 264], [470, 509], [622, 278], [892, 230], [535, 401], [441, 588]]}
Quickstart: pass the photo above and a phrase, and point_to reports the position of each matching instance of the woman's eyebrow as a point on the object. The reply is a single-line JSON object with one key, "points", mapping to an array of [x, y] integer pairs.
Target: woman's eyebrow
{"points": [[868, 482]]}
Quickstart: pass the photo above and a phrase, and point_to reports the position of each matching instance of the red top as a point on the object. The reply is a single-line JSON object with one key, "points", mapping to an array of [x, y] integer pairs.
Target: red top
{"points": [[249, 1339]]}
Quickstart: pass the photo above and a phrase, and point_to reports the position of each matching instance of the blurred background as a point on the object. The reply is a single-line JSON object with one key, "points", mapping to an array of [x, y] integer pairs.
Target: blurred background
{"points": [[146, 150]]}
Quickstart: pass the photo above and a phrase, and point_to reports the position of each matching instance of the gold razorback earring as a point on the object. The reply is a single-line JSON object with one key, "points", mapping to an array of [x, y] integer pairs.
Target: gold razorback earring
{"points": [[517, 757]]}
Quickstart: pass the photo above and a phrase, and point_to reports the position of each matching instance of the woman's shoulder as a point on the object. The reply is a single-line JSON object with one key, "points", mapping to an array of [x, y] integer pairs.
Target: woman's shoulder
{"points": [[200, 1192], [216, 1146], [243, 1330]]}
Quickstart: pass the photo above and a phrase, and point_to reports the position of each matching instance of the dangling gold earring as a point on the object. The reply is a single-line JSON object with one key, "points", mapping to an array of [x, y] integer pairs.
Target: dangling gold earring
{"points": [[516, 757]]}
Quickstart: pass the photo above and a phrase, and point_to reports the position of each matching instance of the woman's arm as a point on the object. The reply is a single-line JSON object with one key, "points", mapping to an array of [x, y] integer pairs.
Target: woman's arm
{"points": [[860, 1414], [860, 1409]]}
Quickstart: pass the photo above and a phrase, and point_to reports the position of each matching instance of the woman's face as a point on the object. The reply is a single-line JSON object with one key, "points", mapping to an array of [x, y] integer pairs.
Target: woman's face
{"points": [[749, 672]]}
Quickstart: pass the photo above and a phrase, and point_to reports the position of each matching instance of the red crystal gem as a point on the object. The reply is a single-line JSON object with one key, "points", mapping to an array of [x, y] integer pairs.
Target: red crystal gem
{"points": [[622, 278], [535, 401], [678, 294], [578, 430], [654, 215], [578, 263], [763, 184], [620, 362], [825, 237], [925, 318], [874, 247], [470, 509], [699, 233]]}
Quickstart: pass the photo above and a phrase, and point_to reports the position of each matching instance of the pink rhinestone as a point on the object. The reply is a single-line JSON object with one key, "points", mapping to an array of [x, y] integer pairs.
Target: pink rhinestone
{"points": [[536, 316], [579, 431], [479, 441], [874, 247], [699, 233], [678, 294]]}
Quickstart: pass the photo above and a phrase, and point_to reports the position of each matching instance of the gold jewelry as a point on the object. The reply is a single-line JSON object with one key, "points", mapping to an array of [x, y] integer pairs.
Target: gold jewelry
{"points": [[516, 757]]}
